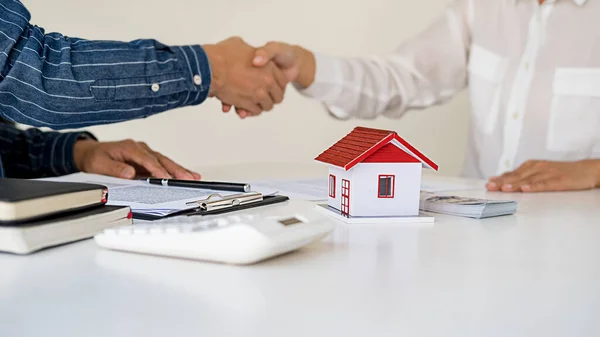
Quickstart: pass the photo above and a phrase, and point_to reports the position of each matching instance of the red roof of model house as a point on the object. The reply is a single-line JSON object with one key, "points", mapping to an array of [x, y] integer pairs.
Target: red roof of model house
{"points": [[375, 146]]}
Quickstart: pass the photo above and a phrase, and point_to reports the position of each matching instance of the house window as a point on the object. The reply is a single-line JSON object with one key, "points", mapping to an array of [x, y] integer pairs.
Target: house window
{"points": [[386, 186], [332, 185]]}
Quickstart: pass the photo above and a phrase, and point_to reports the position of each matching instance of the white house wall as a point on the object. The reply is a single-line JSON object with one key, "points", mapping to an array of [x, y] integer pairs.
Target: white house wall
{"points": [[364, 200], [339, 175]]}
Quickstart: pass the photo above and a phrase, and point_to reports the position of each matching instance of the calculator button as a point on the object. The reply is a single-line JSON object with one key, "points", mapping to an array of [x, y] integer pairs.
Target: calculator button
{"points": [[156, 231], [172, 230], [125, 231], [140, 231], [247, 217], [110, 232], [187, 228], [199, 228], [222, 222], [234, 218]]}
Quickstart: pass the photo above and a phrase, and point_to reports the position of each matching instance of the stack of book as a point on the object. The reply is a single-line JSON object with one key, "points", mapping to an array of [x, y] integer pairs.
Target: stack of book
{"points": [[39, 214]]}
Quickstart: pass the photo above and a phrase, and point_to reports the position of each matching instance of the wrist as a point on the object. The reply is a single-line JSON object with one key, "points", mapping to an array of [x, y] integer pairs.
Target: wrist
{"points": [[593, 166], [81, 148], [217, 67], [307, 67], [596, 166]]}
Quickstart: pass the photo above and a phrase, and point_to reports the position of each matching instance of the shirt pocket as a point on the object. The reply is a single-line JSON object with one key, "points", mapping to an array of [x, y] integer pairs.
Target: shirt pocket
{"points": [[575, 110], [486, 74]]}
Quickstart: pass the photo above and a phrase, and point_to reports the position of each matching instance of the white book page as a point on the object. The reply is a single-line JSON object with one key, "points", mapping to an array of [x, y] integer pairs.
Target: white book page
{"points": [[143, 197]]}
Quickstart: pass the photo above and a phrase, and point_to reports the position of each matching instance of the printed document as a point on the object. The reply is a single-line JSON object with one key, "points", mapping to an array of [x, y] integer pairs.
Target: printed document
{"points": [[144, 198]]}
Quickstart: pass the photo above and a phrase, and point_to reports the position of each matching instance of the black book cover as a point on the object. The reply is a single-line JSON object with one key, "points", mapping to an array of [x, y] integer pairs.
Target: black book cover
{"points": [[15, 190]]}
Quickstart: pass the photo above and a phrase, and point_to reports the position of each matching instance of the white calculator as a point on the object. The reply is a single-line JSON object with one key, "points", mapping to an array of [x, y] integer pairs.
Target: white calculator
{"points": [[243, 237]]}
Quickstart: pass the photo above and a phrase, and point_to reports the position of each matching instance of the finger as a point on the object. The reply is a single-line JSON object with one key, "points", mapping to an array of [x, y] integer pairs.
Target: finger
{"points": [[264, 55], [523, 184], [276, 94], [280, 78], [264, 101], [251, 108], [174, 169], [136, 154], [493, 186], [266, 104], [242, 113], [225, 107], [524, 167], [530, 184], [105, 165], [547, 185], [277, 91], [507, 180], [279, 52]]}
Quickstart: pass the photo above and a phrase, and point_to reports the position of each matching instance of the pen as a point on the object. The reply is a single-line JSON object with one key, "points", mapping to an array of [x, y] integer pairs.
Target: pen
{"points": [[209, 185]]}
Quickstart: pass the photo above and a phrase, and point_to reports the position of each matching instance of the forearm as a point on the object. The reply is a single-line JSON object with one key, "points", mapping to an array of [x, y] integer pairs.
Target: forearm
{"points": [[426, 70], [60, 82], [36, 154]]}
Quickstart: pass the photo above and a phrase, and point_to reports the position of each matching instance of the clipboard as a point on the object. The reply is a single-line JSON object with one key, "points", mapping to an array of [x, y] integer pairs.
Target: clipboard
{"points": [[217, 204]]}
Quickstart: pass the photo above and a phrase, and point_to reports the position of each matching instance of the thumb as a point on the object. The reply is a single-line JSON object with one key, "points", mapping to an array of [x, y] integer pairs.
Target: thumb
{"points": [[278, 52]]}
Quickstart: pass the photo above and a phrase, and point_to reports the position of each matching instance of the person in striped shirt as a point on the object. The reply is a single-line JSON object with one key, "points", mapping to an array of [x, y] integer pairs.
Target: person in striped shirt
{"points": [[60, 82]]}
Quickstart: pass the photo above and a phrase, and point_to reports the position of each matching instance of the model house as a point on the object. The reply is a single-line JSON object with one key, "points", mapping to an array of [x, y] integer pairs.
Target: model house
{"points": [[374, 173]]}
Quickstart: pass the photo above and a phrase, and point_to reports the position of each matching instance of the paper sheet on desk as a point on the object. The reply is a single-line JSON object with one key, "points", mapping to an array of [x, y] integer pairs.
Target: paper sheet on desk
{"points": [[315, 189], [144, 198]]}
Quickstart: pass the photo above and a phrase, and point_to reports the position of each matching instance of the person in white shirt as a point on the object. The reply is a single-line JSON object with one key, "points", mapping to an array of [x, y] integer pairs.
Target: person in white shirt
{"points": [[533, 71]]}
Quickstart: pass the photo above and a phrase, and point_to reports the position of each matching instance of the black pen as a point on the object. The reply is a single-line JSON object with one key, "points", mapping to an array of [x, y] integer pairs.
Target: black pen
{"points": [[208, 185]]}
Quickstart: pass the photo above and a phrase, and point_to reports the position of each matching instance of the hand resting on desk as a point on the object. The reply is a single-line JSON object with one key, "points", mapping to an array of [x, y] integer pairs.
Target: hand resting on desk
{"points": [[126, 159], [549, 176]]}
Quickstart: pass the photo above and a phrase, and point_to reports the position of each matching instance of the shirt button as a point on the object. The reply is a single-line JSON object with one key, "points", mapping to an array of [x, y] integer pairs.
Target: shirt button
{"points": [[526, 66], [507, 163], [155, 87], [516, 116], [197, 80]]}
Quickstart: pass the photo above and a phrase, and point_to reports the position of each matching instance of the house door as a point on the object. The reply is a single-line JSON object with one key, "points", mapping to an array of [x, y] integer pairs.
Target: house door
{"points": [[345, 197]]}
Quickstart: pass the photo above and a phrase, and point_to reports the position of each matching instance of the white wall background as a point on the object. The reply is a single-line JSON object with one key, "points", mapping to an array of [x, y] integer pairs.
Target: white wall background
{"points": [[299, 129]]}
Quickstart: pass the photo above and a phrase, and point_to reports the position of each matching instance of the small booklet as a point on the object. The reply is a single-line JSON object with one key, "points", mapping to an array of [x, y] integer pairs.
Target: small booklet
{"points": [[466, 207]]}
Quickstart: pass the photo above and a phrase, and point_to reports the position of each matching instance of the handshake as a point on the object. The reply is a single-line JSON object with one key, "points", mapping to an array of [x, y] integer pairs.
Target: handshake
{"points": [[253, 80]]}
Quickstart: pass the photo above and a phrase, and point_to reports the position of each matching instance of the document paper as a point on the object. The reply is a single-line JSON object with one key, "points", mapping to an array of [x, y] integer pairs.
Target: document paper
{"points": [[142, 197]]}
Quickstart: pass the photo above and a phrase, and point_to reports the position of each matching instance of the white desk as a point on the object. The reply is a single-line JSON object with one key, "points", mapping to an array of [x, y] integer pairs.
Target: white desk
{"points": [[534, 274]]}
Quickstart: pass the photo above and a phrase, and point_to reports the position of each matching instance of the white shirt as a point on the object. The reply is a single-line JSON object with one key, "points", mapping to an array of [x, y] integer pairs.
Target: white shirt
{"points": [[533, 73]]}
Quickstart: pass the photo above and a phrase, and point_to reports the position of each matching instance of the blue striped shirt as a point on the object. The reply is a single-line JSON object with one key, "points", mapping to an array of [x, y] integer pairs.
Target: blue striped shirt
{"points": [[60, 82]]}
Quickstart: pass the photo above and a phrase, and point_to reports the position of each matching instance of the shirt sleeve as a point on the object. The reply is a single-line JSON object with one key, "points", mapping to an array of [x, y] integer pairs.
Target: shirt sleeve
{"points": [[32, 153], [426, 70], [51, 80]]}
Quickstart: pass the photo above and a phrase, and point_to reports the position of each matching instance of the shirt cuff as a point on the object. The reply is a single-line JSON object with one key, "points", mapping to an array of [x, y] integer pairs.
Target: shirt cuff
{"points": [[196, 67], [61, 152], [328, 84]]}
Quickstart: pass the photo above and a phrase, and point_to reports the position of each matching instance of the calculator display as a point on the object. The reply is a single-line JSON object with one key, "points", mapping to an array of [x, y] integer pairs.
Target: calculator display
{"points": [[290, 221]]}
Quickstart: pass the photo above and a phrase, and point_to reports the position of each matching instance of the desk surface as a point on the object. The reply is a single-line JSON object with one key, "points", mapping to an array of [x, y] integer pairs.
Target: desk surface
{"points": [[533, 274]]}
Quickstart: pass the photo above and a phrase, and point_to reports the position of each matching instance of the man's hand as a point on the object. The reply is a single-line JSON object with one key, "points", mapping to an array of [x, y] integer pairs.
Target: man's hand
{"points": [[548, 176], [126, 159], [235, 81], [298, 66]]}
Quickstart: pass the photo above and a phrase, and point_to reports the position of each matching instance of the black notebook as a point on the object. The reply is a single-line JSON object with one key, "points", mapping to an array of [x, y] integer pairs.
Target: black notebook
{"points": [[60, 229], [25, 200]]}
